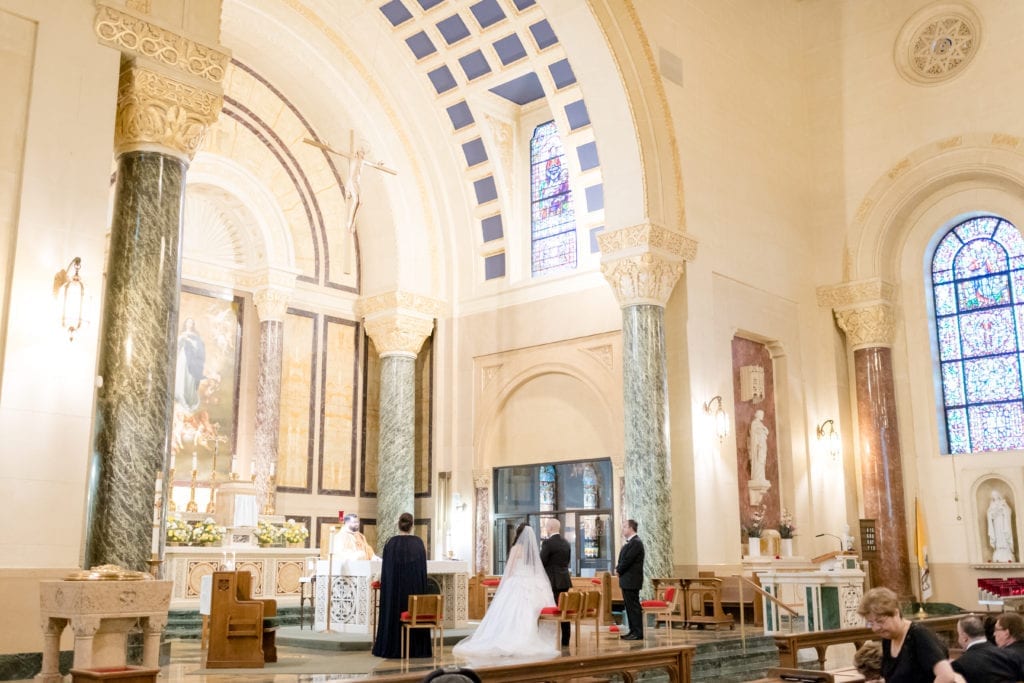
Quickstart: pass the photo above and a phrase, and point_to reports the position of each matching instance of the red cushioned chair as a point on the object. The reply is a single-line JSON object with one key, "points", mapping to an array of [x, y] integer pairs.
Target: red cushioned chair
{"points": [[664, 607], [425, 611], [570, 606], [374, 609], [490, 585]]}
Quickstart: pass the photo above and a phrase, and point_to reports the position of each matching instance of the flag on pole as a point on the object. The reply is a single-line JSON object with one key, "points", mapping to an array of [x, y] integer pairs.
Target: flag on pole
{"points": [[922, 555]]}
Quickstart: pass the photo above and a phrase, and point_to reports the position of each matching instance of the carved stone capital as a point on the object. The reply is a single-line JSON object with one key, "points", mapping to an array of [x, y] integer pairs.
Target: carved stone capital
{"points": [[398, 322], [154, 111], [643, 262], [271, 303], [85, 626], [868, 325], [139, 37], [398, 300], [481, 479], [853, 293]]}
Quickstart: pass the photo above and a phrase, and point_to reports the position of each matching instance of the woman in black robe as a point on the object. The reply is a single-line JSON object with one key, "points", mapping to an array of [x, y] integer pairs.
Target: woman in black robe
{"points": [[403, 573]]}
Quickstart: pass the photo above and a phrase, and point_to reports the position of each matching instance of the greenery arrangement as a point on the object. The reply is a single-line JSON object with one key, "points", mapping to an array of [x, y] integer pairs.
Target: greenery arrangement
{"points": [[786, 526], [207, 532], [269, 534], [295, 532]]}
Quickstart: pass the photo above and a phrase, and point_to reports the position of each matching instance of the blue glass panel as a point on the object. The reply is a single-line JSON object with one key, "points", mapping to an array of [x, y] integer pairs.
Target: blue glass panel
{"points": [[980, 257], [543, 34], [953, 384], [427, 4], [949, 338], [474, 152], [587, 154], [522, 90], [549, 178], [395, 12], [1010, 237], [460, 115], [956, 431], [561, 73], [491, 228], [474, 65], [996, 427], [595, 197], [487, 12], [992, 379], [554, 254], [982, 227], [987, 332], [523, 4], [453, 29], [509, 49], [552, 216], [442, 79], [485, 190], [494, 266], [983, 292], [946, 252], [594, 232], [420, 45], [944, 302], [576, 113]]}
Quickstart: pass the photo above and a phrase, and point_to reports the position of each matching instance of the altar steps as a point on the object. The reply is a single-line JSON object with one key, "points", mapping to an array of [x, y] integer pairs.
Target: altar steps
{"points": [[728, 661]]}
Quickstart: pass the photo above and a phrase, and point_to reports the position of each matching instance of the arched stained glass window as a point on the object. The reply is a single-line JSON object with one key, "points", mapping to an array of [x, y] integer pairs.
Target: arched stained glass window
{"points": [[552, 217], [978, 290]]}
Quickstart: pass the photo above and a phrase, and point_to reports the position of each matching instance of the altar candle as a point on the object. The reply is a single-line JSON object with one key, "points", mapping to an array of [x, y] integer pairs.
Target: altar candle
{"points": [[273, 468], [195, 461], [234, 462]]}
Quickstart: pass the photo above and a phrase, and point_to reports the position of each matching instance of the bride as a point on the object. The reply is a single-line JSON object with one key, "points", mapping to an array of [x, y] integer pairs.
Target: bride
{"points": [[510, 628]]}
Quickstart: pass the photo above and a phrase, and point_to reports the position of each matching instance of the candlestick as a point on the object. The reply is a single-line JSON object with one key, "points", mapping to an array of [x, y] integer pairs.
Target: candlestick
{"points": [[268, 509], [195, 461], [171, 506], [192, 506], [211, 507]]}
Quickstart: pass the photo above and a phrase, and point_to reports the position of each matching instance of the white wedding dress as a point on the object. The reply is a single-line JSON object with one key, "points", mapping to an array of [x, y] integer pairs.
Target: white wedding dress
{"points": [[510, 628]]}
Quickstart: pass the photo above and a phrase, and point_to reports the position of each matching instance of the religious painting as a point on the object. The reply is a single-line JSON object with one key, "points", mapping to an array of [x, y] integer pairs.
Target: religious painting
{"points": [[206, 382], [338, 407], [298, 398], [423, 410]]}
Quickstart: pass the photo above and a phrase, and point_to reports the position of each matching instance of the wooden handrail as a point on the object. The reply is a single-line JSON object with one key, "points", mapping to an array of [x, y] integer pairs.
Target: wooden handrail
{"points": [[764, 593], [676, 661]]}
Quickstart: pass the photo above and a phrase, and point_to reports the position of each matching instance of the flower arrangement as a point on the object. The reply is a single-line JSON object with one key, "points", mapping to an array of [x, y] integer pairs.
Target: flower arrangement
{"points": [[756, 525], [786, 526], [295, 532], [268, 534], [178, 530], [207, 532]]}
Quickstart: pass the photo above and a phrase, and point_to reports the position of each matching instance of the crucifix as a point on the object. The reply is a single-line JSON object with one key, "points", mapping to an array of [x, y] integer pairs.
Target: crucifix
{"points": [[350, 188]]}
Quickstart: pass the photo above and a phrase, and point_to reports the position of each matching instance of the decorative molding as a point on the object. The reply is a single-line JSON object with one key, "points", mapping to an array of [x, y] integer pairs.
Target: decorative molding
{"points": [[488, 373], [642, 279], [138, 37], [937, 43], [872, 325], [602, 354], [853, 294], [271, 303], [481, 479], [1005, 140], [397, 334], [153, 109], [502, 134], [406, 302], [644, 237]]}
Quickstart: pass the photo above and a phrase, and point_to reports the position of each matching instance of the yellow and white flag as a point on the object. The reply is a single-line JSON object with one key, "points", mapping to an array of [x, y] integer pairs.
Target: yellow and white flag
{"points": [[922, 555]]}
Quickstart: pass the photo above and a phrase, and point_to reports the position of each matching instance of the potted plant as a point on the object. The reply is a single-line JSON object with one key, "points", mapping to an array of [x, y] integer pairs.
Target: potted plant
{"points": [[754, 529], [206, 532], [267, 534], [295, 534], [787, 530], [179, 532]]}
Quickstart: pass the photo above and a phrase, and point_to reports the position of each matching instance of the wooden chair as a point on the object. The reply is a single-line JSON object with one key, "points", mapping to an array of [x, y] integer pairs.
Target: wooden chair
{"points": [[240, 635], [490, 585], [703, 603], [425, 611], [570, 605], [374, 610], [591, 610], [665, 605]]}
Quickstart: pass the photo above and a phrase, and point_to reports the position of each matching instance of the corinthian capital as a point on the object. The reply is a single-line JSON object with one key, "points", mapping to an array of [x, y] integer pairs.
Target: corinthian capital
{"points": [[642, 263], [155, 111], [398, 322], [864, 309]]}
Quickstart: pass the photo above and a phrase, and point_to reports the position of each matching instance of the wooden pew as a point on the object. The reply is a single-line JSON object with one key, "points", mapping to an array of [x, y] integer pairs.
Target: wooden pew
{"points": [[239, 636], [751, 600], [601, 582], [703, 603], [790, 644]]}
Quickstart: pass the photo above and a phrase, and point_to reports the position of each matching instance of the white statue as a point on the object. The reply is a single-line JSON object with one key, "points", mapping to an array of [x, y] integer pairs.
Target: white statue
{"points": [[1000, 530], [757, 447], [847, 539]]}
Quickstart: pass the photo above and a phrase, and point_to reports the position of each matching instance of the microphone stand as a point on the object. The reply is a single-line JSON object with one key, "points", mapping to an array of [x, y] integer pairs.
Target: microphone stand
{"points": [[842, 549]]}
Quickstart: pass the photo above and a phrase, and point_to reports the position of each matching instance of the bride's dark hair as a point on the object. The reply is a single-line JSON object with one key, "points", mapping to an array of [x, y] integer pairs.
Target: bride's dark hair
{"points": [[519, 532]]}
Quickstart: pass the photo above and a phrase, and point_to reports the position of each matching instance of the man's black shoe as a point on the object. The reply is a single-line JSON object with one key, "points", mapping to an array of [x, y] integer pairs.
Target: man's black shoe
{"points": [[632, 636]]}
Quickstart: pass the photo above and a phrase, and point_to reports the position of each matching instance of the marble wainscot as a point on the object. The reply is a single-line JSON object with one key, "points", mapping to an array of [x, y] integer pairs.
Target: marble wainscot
{"points": [[100, 613], [826, 596], [275, 571], [351, 596]]}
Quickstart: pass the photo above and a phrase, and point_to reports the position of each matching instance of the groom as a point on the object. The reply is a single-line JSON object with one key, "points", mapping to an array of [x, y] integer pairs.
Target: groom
{"points": [[631, 578], [555, 554]]}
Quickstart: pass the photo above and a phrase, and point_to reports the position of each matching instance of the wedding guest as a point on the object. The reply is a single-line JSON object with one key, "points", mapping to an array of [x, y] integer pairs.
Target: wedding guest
{"points": [[630, 570], [981, 661], [403, 573], [910, 651], [1009, 633], [555, 554], [868, 661]]}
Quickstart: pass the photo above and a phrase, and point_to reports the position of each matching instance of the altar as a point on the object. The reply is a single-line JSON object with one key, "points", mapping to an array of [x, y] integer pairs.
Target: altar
{"points": [[347, 607], [825, 596]]}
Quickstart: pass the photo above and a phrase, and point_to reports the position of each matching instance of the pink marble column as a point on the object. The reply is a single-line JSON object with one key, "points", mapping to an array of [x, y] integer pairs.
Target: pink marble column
{"points": [[882, 466], [482, 522], [271, 306]]}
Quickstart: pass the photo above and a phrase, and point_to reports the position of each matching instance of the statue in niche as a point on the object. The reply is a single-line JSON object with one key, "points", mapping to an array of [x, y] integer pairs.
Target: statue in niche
{"points": [[757, 447], [1000, 530]]}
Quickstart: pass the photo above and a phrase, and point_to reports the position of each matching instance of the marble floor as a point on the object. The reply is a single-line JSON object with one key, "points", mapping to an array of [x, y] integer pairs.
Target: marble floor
{"points": [[322, 659]]}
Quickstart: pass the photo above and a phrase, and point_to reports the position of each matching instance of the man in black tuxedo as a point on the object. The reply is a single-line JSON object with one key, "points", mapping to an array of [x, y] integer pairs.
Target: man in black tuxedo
{"points": [[981, 661], [630, 570], [555, 555]]}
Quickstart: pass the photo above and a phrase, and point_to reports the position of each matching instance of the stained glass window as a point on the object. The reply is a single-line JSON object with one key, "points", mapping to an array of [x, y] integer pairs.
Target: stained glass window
{"points": [[978, 292], [553, 218]]}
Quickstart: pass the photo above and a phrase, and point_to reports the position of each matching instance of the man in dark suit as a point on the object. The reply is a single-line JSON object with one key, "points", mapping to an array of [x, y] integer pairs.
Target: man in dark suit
{"points": [[555, 555], [630, 570], [981, 661], [1009, 634]]}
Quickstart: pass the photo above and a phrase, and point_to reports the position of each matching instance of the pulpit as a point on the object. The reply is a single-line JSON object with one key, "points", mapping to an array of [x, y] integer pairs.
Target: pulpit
{"points": [[101, 612], [826, 596]]}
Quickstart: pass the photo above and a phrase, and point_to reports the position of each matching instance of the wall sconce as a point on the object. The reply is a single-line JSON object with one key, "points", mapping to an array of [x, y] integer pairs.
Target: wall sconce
{"points": [[719, 415], [72, 293], [829, 438]]}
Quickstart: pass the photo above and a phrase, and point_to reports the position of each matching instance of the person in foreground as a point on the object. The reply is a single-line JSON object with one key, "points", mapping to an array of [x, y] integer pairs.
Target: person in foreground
{"points": [[981, 661], [1009, 633], [555, 555], [510, 627], [868, 661], [403, 573], [630, 570], [910, 652]]}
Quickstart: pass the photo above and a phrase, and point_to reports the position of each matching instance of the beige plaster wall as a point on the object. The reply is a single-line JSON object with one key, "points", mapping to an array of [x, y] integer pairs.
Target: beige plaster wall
{"points": [[20, 629]]}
